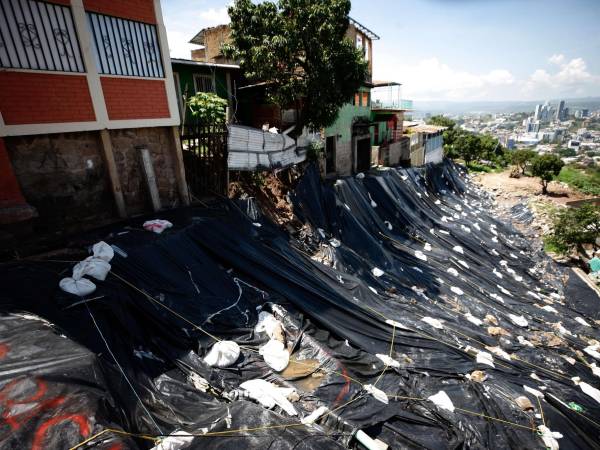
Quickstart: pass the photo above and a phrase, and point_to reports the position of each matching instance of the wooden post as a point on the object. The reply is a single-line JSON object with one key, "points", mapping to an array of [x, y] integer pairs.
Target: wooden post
{"points": [[113, 174], [150, 177], [179, 167]]}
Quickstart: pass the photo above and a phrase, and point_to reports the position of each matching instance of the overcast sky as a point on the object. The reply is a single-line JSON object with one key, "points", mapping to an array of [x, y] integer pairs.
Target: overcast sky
{"points": [[457, 49]]}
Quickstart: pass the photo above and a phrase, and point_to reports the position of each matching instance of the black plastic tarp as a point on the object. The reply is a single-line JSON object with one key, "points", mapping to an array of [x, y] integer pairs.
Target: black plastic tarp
{"points": [[418, 248]]}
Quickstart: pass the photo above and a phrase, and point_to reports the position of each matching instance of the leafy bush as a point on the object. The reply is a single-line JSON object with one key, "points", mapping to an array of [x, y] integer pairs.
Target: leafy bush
{"points": [[546, 167], [208, 108], [574, 227], [586, 180]]}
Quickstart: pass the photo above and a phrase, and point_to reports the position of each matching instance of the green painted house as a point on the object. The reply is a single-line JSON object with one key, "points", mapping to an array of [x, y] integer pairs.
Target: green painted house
{"points": [[191, 77]]}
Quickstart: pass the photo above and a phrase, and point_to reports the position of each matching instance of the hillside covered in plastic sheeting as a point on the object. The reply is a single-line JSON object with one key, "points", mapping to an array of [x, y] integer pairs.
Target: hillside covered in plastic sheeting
{"points": [[403, 314]]}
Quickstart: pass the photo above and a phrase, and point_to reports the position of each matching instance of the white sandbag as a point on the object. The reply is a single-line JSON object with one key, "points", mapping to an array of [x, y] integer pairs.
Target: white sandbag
{"points": [[177, 440], [549, 437], [223, 354], [157, 226], [92, 266], [441, 400], [315, 415], [518, 320], [387, 360], [269, 395], [435, 323], [103, 251], [80, 287], [275, 355], [377, 393]]}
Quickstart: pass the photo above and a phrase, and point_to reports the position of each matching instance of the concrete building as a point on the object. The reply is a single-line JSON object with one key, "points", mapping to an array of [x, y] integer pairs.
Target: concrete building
{"points": [[426, 143], [560, 111], [82, 101]]}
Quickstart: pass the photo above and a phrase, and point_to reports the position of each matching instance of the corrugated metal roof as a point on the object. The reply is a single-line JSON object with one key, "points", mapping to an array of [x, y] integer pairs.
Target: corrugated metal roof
{"points": [[191, 62]]}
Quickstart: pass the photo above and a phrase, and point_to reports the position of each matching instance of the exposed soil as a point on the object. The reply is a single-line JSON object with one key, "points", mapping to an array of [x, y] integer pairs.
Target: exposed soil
{"points": [[510, 191], [270, 191]]}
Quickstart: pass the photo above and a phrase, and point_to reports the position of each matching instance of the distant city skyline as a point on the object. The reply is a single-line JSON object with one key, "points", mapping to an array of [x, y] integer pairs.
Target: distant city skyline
{"points": [[457, 50]]}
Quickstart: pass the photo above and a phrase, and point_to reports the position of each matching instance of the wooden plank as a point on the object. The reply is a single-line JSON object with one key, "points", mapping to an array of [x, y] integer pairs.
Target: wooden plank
{"points": [[180, 168], [113, 174]]}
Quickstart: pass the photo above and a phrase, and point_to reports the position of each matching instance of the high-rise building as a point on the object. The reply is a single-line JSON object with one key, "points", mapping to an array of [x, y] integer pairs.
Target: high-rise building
{"points": [[560, 111]]}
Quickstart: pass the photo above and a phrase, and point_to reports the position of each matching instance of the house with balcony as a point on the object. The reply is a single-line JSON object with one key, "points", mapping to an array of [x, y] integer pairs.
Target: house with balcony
{"points": [[387, 115]]}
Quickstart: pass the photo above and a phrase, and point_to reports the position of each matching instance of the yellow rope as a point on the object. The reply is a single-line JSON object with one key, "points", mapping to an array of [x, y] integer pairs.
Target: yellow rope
{"points": [[541, 410], [114, 430]]}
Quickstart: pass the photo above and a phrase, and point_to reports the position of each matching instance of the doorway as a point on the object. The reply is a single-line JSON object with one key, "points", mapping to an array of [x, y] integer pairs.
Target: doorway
{"points": [[330, 155], [363, 154]]}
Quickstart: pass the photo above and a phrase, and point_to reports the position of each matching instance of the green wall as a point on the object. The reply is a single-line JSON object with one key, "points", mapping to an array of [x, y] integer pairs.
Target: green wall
{"points": [[343, 124], [186, 80]]}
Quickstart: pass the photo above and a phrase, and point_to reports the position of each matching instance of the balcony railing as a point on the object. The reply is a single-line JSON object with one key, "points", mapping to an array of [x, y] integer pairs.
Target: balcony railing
{"points": [[392, 105], [389, 97]]}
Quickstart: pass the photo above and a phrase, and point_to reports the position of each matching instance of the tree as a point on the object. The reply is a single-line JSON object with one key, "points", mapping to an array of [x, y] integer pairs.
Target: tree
{"points": [[209, 108], [574, 227], [546, 167], [441, 121], [468, 147], [299, 49], [567, 152], [522, 157]]}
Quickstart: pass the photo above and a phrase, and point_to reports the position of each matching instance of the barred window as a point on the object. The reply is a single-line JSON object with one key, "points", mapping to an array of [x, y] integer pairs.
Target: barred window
{"points": [[38, 35], [204, 83], [125, 47]]}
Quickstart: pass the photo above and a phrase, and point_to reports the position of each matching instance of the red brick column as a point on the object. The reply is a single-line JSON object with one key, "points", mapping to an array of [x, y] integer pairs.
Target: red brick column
{"points": [[13, 207]]}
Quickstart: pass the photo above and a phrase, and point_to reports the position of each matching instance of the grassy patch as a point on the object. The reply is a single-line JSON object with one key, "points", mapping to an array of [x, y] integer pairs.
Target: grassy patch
{"points": [[550, 246], [586, 180]]}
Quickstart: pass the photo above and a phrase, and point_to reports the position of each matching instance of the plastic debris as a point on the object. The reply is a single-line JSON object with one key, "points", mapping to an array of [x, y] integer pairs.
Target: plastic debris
{"points": [[524, 403], [267, 323]]}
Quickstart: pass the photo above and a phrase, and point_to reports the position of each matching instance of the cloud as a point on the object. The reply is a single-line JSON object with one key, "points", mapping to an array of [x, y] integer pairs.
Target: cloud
{"points": [[557, 59], [432, 79], [215, 16], [571, 78]]}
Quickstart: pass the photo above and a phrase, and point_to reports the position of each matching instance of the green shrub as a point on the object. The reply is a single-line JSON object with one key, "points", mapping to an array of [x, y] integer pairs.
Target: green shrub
{"points": [[586, 180], [574, 227]]}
